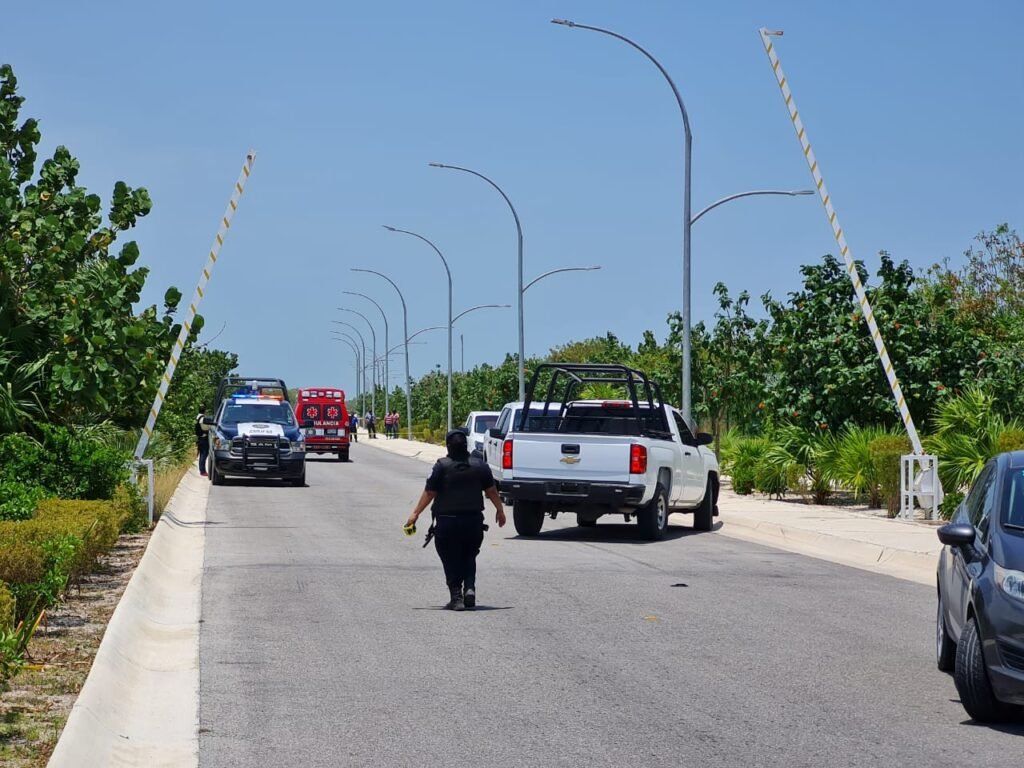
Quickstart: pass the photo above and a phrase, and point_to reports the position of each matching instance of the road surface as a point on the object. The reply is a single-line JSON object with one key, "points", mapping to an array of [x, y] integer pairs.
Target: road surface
{"points": [[323, 644]]}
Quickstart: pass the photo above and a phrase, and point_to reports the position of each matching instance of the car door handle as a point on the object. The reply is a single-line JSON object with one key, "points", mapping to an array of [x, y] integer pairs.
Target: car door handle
{"points": [[687, 453]]}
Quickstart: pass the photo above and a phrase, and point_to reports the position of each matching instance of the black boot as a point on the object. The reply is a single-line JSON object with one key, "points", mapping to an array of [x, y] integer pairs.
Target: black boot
{"points": [[456, 603], [469, 598]]}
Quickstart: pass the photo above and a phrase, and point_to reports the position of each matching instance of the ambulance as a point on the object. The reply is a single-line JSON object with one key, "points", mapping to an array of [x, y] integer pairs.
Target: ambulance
{"points": [[325, 408]]}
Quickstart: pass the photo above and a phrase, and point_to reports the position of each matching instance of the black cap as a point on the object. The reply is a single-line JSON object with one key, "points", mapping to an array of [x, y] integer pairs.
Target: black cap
{"points": [[457, 442]]}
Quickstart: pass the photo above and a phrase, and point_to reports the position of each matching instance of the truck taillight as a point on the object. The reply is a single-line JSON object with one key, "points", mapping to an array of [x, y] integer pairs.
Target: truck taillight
{"points": [[506, 455], [637, 460]]}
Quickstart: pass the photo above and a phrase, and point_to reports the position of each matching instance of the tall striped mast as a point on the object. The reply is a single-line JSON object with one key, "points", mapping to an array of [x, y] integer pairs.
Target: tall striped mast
{"points": [[844, 248], [193, 308]]}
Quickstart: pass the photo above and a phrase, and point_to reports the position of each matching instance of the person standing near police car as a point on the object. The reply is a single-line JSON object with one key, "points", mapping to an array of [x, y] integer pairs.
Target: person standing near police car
{"points": [[202, 441], [455, 489]]}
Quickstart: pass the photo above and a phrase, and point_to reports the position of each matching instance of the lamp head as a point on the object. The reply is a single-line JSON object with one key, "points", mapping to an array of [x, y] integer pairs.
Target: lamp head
{"points": [[389, 229], [563, 22]]}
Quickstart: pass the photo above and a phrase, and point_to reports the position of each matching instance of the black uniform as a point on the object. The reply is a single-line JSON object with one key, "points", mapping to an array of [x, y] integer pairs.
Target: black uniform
{"points": [[458, 517]]}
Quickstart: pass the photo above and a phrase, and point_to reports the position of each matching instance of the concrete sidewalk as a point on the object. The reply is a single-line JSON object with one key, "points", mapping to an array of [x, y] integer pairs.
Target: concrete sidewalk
{"points": [[850, 536]]}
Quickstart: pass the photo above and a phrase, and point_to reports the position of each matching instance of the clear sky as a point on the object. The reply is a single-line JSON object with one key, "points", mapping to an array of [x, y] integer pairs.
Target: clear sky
{"points": [[914, 110]]}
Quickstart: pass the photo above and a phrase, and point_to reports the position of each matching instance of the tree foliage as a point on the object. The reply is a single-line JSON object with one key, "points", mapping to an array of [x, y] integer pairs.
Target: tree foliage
{"points": [[73, 346]]}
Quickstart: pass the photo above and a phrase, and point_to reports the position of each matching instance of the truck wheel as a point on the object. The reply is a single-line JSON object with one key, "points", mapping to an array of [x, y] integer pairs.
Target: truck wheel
{"points": [[653, 519], [343, 455], [528, 517], [583, 522], [215, 477], [300, 481], [703, 516]]}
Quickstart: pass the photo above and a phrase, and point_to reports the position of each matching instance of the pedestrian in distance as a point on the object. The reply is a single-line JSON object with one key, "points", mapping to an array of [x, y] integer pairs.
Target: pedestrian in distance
{"points": [[396, 425], [371, 425], [353, 428], [202, 441], [455, 490]]}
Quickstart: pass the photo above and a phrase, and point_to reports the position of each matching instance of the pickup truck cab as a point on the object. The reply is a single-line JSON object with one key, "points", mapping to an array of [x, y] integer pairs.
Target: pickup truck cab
{"points": [[634, 456]]}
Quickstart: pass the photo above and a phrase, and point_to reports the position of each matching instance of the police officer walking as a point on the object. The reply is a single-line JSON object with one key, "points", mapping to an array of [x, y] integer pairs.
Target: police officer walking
{"points": [[202, 441], [455, 488]]}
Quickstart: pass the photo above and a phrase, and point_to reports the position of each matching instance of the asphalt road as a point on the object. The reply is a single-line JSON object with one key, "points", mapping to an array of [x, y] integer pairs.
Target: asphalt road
{"points": [[323, 644]]}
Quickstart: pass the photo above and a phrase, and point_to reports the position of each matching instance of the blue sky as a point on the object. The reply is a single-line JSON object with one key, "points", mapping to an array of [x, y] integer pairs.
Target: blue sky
{"points": [[914, 115]]}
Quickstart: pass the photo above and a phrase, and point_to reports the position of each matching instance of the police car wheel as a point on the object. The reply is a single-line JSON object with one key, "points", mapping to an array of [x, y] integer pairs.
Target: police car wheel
{"points": [[583, 522], [300, 481], [215, 477]]}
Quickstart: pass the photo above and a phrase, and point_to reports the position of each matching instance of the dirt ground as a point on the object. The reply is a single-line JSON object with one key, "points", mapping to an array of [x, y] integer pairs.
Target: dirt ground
{"points": [[35, 704]]}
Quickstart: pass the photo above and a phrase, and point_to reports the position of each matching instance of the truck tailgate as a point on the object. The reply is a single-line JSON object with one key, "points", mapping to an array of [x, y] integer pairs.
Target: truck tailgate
{"points": [[594, 458]]}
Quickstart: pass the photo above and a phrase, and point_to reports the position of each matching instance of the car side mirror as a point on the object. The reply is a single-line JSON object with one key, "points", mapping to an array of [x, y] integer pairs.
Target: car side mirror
{"points": [[956, 534], [495, 433], [208, 421], [307, 423], [704, 438]]}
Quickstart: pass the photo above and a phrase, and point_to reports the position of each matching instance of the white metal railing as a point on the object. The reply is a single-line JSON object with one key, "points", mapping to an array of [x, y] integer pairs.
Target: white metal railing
{"points": [[148, 463]]}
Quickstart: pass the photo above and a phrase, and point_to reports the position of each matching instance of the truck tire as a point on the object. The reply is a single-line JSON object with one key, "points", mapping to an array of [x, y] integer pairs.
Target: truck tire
{"points": [[653, 519], [528, 517], [300, 481], [583, 522], [343, 454], [215, 477], [704, 515]]}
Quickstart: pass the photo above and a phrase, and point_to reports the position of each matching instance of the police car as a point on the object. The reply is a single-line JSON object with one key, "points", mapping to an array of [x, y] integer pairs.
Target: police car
{"points": [[256, 435]]}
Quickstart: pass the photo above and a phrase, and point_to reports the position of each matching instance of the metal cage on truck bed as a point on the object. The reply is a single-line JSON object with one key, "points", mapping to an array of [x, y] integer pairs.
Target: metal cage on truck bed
{"points": [[266, 386], [640, 414]]}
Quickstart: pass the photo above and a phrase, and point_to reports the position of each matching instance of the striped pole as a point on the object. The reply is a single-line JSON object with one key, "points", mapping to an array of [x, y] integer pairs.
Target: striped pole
{"points": [[844, 249], [193, 308]]}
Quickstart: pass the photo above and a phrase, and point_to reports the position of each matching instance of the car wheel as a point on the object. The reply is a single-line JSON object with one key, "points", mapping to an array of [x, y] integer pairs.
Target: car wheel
{"points": [[215, 477], [300, 481], [653, 519], [704, 515], [971, 679], [945, 648], [528, 517]]}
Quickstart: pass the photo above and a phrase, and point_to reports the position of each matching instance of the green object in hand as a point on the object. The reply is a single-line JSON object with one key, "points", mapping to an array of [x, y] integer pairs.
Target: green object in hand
{"points": [[409, 529]]}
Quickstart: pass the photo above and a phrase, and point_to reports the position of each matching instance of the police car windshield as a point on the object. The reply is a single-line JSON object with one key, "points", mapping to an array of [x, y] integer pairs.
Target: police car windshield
{"points": [[266, 413]]}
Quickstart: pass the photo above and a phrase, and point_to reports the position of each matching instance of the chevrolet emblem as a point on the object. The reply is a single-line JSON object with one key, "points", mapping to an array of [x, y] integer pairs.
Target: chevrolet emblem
{"points": [[570, 460]]}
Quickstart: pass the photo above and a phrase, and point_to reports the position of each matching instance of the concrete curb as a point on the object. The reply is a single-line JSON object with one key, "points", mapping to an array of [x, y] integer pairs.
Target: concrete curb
{"points": [[140, 702], [870, 556]]}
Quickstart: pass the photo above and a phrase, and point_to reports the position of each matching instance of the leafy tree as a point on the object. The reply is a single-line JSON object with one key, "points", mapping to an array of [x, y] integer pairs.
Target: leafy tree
{"points": [[66, 296], [194, 385]]}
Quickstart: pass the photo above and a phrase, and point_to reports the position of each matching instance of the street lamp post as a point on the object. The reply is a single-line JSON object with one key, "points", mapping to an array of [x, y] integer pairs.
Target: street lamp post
{"points": [[449, 273], [405, 335], [519, 269], [357, 364], [387, 344], [373, 371], [362, 341], [687, 220]]}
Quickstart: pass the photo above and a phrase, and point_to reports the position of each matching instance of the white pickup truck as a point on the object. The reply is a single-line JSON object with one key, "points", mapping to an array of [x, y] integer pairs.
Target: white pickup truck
{"points": [[635, 456]]}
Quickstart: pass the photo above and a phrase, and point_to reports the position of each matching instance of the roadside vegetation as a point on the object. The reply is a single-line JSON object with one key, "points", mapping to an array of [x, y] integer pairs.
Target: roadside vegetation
{"points": [[80, 361], [796, 396]]}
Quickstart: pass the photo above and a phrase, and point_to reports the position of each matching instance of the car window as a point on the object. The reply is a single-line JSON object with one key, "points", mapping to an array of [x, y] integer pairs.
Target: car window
{"points": [[684, 431], [483, 423], [1013, 494], [502, 424], [975, 503]]}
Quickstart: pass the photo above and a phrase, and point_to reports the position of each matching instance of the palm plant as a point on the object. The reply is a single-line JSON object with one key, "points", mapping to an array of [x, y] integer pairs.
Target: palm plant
{"points": [[968, 432], [847, 463], [20, 382], [795, 456]]}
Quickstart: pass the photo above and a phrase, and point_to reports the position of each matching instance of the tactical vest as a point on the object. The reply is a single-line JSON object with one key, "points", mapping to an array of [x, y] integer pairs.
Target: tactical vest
{"points": [[460, 488]]}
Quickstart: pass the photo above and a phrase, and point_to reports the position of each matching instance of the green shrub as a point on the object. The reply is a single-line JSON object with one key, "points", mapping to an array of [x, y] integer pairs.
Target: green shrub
{"points": [[949, 504], [6, 608], [72, 465], [741, 459], [130, 506], [18, 500], [1010, 439], [886, 462], [848, 463]]}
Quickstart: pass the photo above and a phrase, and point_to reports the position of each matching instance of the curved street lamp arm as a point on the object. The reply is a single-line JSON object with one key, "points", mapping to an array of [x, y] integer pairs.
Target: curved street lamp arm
{"points": [[380, 274], [373, 333], [354, 328], [724, 200], [481, 176], [425, 240], [556, 271], [481, 306], [654, 61], [378, 306], [431, 328]]}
